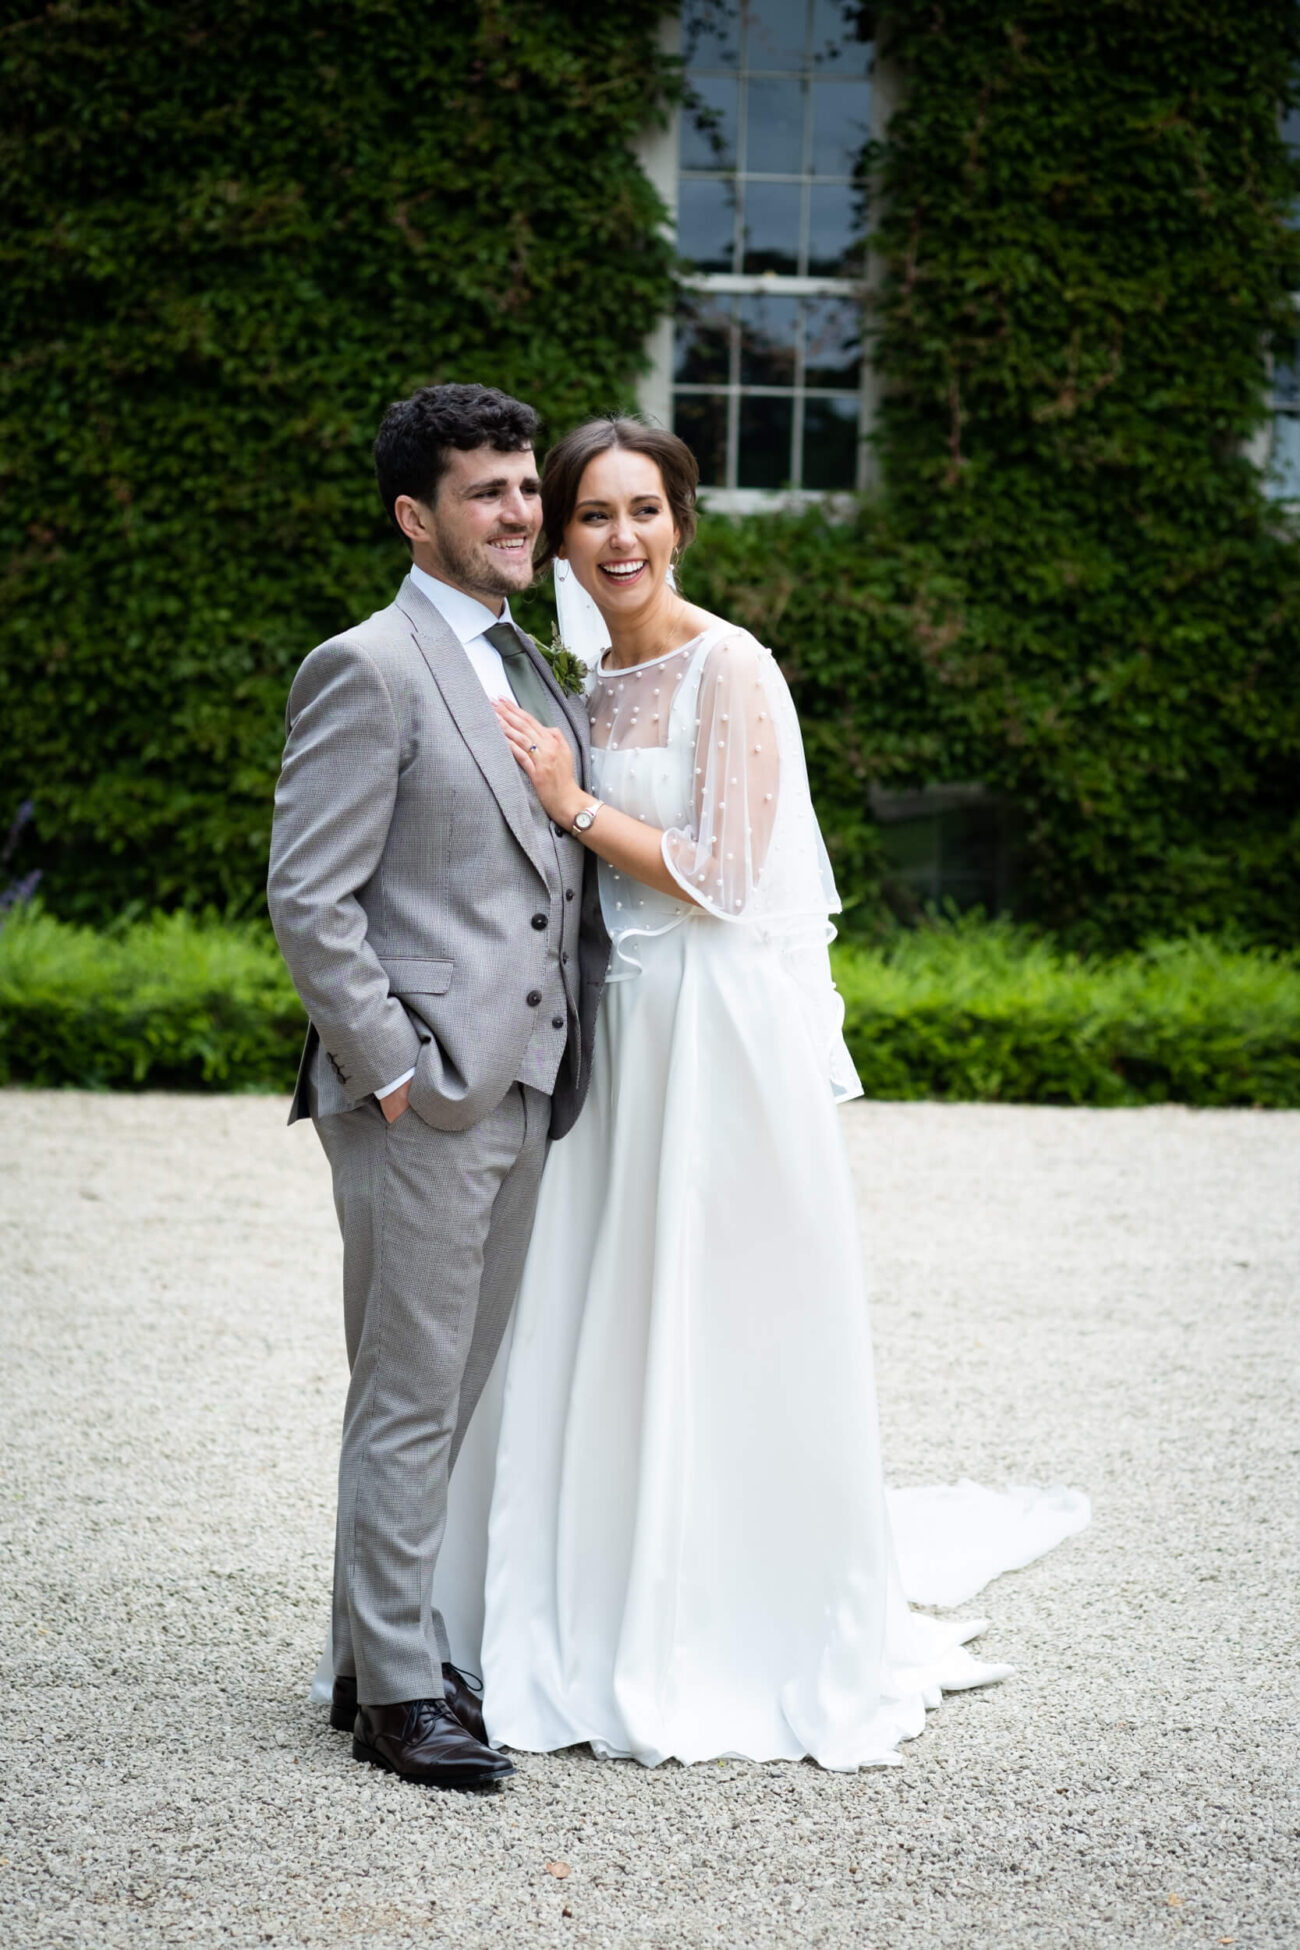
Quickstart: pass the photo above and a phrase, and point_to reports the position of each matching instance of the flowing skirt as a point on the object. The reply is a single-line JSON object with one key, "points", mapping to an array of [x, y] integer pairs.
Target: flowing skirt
{"points": [[669, 1534]]}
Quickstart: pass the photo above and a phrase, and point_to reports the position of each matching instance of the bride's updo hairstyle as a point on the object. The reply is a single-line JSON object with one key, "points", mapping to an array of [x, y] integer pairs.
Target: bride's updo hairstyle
{"points": [[568, 460]]}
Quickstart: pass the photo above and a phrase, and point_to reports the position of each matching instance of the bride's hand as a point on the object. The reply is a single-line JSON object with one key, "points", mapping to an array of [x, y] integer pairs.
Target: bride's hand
{"points": [[545, 755]]}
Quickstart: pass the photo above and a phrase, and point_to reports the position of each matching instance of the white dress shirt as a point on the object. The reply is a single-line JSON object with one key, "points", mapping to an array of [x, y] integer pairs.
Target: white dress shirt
{"points": [[468, 618]]}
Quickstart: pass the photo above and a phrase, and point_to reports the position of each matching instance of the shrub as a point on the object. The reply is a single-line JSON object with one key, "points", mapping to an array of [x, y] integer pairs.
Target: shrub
{"points": [[169, 1003], [991, 1013], [967, 1011]]}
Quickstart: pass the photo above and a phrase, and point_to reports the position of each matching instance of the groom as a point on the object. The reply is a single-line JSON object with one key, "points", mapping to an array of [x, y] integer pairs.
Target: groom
{"points": [[446, 941]]}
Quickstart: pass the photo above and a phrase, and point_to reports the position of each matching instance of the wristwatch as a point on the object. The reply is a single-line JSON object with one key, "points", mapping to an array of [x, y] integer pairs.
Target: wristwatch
{"points": [[586, 818]]}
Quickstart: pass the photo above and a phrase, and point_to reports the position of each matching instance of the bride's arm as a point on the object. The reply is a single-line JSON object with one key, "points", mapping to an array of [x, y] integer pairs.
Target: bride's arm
{"points": [[633, 846], [717, 860]]}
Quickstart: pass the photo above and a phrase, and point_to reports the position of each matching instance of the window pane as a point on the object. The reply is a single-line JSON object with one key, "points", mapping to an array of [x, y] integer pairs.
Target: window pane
{"points": [[840, 39], [706, 224], [832, 342], [1284, 461], [772, 227], [700, 419], [709, 123], [767, 329], [765, 428], [830, 443], [711, 33], [841, 125], [776, 33], [834, 248], [702, 342], [774, 127], [1286, 376]]}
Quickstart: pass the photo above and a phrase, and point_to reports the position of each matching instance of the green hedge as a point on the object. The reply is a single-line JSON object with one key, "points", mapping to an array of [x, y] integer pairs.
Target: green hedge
{"points": [[990, 1014], [964, 1012], [166, 1004]]}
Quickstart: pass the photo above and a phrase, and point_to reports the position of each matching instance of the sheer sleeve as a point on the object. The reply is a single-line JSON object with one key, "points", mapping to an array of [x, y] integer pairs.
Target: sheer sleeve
{"points": [[720, 860]]}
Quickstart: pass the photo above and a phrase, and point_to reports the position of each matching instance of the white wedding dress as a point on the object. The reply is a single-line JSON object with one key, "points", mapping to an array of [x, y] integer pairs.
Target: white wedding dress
{"points": [[668, 1532]]}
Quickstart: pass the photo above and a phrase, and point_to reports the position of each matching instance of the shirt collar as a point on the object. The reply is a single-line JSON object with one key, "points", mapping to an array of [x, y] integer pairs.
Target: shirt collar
{"points": [[467, 616]]}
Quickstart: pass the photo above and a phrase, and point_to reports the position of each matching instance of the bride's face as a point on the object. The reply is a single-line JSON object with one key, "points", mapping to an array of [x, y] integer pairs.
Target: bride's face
{"points": [[621, 534]]}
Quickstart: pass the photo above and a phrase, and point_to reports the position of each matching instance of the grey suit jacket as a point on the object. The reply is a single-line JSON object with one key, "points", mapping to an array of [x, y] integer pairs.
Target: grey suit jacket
{"points": [[408, 865]]}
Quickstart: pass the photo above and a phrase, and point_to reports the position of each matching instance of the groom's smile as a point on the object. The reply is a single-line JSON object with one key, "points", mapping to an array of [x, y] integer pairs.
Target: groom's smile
{"points": [[479, 531]]}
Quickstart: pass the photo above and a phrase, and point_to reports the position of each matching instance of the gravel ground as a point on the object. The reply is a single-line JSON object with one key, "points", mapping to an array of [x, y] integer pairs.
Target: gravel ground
{"points": [[1101, 1298]]}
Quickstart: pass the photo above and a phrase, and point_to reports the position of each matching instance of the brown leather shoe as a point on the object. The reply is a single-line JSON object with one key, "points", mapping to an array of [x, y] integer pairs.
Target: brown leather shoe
{"points": [[422, 1740], [461, 1698]]}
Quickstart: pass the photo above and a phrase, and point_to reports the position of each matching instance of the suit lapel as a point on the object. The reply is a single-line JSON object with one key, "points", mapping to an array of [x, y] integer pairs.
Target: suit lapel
{"points": [[574, 708], [476, 721]]}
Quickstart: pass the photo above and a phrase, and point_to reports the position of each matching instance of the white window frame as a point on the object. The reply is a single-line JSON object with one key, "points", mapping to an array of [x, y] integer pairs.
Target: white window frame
{"points": [[658, 152]]}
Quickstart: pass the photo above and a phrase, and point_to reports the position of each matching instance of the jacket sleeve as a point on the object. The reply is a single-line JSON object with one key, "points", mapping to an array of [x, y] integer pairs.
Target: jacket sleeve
{"points": [[333, 806]]}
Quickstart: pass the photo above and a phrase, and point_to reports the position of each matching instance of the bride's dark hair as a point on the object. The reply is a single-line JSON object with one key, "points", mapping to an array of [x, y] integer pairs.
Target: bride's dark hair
{"points": [[568, 460]]}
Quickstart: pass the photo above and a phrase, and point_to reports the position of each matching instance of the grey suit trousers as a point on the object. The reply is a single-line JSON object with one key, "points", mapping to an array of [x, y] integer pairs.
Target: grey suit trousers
{"points": [[435, 1229]]}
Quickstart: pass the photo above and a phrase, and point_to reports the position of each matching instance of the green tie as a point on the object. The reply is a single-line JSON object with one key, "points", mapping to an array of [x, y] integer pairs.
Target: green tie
{"points": [[522, 674]]}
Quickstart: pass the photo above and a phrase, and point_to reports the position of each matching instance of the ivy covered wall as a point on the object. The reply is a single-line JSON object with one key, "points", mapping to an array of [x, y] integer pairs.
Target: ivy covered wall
{"points": [[235, 232], [231, 234], [1087, 252]]}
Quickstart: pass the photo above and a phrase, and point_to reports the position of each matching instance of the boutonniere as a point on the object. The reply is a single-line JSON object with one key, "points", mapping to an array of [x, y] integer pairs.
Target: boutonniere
{"points": [[568, 670]]}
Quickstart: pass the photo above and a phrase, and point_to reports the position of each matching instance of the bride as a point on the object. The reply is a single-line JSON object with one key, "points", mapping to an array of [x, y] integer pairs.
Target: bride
{"points": [[669, 1533]]}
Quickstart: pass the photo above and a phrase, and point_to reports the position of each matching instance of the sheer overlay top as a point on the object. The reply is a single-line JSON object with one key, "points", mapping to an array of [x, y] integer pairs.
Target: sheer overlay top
{"points": [[704, 743]]}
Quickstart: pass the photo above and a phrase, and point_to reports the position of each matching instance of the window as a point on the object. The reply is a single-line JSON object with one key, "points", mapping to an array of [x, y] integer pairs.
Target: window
{"points": [[767, 361], [1282, 442], [1284, 447], [949, 844]]}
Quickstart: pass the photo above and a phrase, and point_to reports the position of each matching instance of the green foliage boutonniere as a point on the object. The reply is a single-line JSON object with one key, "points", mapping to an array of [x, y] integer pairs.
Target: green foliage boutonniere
{"points": [[569, 672]]}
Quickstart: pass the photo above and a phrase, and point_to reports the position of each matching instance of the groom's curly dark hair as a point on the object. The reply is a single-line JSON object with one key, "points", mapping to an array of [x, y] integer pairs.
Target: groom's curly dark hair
{"points": [[417, 434]]}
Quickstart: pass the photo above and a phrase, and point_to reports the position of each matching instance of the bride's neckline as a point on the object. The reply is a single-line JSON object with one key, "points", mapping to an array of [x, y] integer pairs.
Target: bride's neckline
{"points": [[647, 663]]}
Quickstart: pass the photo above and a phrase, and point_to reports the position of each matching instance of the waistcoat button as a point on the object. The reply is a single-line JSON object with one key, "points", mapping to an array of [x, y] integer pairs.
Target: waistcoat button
{"points": [[539, 920], [568, 893], [557, 1022], [533, 997]]}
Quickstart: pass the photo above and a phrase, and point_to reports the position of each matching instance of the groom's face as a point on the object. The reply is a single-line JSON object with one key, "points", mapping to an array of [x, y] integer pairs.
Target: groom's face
{"points": [[479, 532]]}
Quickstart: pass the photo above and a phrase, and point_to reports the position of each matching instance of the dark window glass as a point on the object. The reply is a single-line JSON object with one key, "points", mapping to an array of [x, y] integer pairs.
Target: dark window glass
{"points": [[706, 224], [841, 125], [700, 419], [1284, 462], [709, 123], [834, 248], [772, 227], [765, 427], [1286, 377], [830, 443], [776, 33], [774, 127], [702, 345], [832, 342], [767, 336], [841, 40], [711, 33]]}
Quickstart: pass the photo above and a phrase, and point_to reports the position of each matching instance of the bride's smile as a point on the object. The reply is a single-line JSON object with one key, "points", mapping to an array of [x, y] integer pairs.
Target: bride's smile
{"points": [[619, 543]]}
